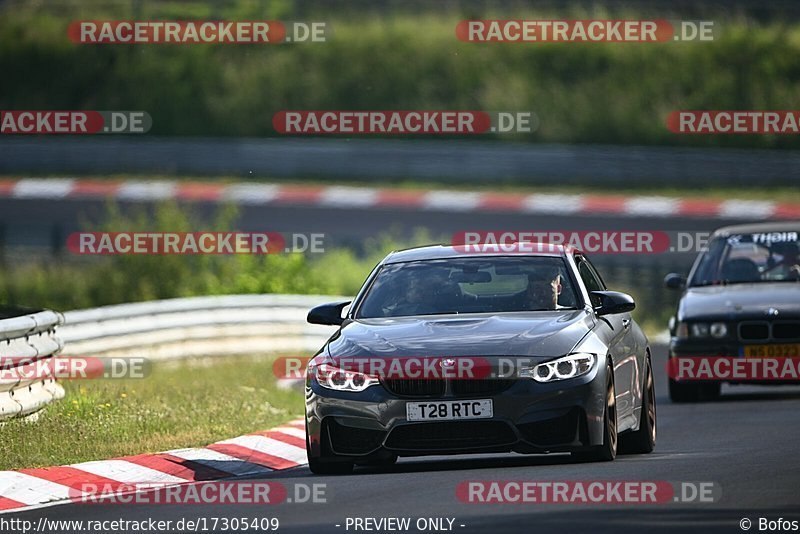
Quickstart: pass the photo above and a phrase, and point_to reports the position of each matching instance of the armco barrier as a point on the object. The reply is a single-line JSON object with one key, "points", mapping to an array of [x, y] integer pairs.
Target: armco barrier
{"points": [[157, 330], [442, 161], [24, 340], [196, 326]]}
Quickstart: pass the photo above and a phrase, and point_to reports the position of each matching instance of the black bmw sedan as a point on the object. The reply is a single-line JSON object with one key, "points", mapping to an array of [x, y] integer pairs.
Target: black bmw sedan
{"points": [[739, 310], [450, 350]]}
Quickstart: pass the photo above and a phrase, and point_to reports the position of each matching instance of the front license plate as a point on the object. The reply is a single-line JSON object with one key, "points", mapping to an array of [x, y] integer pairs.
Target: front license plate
{"points": [[449, 410], [787, 350]]}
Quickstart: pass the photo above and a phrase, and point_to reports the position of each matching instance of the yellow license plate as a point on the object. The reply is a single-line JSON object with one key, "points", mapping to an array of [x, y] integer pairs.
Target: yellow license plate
{"points": [[786, 350]]}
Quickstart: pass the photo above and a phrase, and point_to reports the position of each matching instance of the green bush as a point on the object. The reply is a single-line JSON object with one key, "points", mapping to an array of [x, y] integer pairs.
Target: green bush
{"points": [[81, 282]]}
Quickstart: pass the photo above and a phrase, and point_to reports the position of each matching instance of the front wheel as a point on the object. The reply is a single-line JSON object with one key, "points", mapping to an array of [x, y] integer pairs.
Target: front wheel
{"points": [[329, 468], [643, 441], [608, 450], [320, 467]]}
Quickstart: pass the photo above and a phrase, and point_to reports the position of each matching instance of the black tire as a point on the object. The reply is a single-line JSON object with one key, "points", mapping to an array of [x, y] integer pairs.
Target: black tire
{"points": [[711, 392], [608, 450], [322, 467], [680, 392], [643, 441], [329, 468]]}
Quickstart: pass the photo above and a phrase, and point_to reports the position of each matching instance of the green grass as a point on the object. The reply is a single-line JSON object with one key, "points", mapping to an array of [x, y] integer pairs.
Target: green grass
{"points": [[180, 404]]}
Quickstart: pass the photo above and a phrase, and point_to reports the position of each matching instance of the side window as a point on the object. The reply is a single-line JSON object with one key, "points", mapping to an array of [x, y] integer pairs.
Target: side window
{"points": [[596, 275], [590, 278]]}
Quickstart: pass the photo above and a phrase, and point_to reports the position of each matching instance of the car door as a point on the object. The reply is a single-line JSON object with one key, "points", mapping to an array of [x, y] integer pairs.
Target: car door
{"points": [[622, 342]]}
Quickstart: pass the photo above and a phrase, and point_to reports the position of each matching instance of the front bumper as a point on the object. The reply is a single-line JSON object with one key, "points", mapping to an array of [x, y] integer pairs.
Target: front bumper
{"points": [[729, 348], [528, 417]]}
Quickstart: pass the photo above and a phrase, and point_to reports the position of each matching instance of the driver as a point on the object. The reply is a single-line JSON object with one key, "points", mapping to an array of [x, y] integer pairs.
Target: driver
{"points": [[543, 289], [417, 298], [789, 266]]}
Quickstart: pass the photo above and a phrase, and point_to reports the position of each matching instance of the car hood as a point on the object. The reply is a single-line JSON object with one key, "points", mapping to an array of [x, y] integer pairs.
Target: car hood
{"points": [[529, 334], [740, 300]]}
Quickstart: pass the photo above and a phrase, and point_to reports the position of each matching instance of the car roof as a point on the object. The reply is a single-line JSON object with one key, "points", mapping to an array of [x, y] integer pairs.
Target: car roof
{"points": [[779, 226], [435, 252]]}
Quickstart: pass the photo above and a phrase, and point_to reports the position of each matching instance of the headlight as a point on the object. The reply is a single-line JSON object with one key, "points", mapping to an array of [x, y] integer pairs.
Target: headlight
{"points": [[718, 330], [570, 366], [699, 329], [332, 377], [682, 331]]}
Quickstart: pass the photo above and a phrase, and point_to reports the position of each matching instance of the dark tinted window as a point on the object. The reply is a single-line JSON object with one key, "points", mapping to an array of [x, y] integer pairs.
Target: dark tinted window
{"points": [[469, 285], [591, 279], [749, 258]]}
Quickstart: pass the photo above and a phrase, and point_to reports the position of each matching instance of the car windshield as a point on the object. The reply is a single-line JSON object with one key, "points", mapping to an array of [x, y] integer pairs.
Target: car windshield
{"points": [[746, 258], [469, 285]]}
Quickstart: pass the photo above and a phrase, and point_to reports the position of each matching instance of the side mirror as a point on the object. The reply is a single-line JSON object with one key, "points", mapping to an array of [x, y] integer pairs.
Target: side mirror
{"points": [[613, 302], [674, 281], [327, 314]]}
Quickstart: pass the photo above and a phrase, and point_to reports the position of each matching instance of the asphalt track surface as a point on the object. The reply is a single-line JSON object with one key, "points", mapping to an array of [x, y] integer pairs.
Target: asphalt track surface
{"points": [[745, 443]]}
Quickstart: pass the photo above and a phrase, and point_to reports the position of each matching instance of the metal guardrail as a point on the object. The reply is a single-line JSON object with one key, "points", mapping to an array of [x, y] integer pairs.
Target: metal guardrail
{"points": [[25, 341], [196, 326], [444, 161], [157, 330]]}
